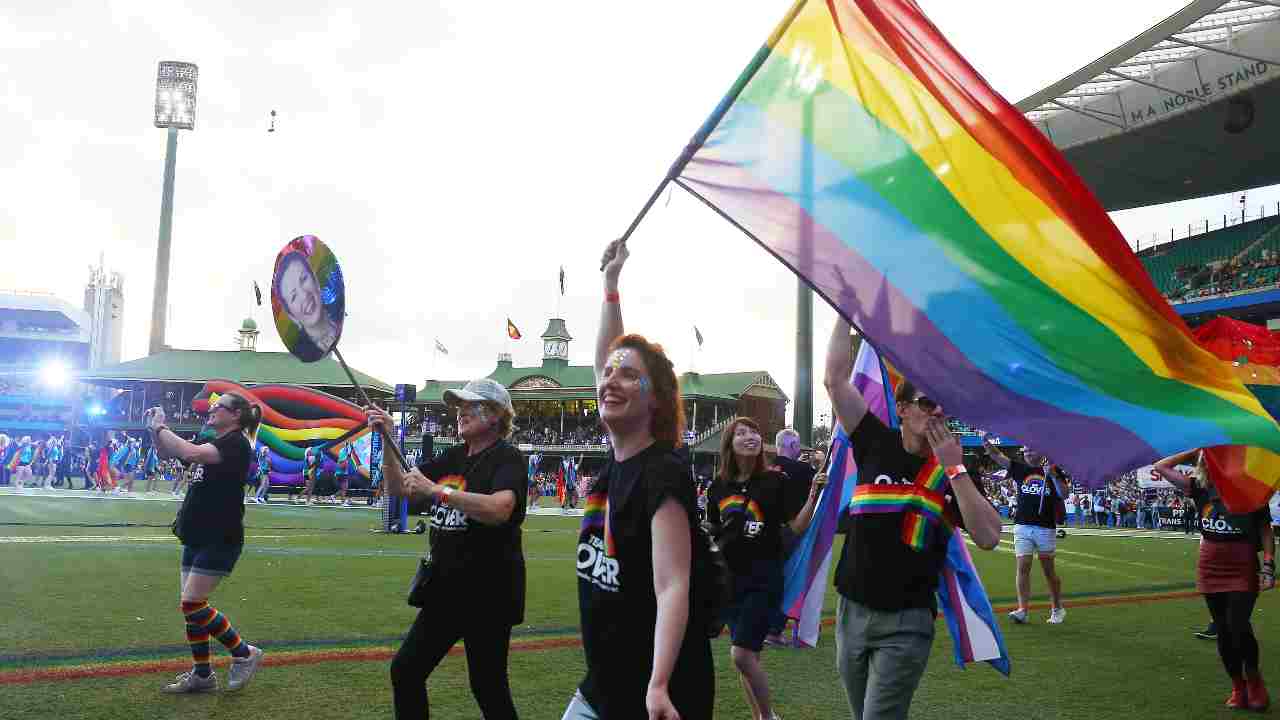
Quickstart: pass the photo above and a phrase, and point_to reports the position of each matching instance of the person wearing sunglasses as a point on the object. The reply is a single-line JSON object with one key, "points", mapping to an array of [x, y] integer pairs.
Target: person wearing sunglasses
{"points": [[210, 524], [895, 545], [476, 568]]}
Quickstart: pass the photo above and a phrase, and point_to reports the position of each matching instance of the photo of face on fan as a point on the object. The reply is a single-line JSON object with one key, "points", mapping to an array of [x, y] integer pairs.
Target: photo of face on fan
{"points": [[308, 298]]}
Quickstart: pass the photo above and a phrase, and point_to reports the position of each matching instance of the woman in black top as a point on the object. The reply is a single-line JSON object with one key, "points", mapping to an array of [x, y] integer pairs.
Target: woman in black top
{"points": [[645, 641], [1228, 574], [746, 511], [210, 524], [476, 491]]}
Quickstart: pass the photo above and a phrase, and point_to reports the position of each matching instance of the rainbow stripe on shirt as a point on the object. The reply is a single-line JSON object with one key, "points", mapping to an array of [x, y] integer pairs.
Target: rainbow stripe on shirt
{"points": [[740, 505], [595, 516], [923, 504], [457, 482]]}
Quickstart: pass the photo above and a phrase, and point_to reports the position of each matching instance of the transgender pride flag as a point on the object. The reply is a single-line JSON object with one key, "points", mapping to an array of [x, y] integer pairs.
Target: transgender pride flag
{"points": [[961, 597]]}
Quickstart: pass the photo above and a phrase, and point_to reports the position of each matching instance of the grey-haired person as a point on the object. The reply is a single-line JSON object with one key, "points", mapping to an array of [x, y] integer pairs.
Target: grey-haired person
{"points": [[476, 493]]}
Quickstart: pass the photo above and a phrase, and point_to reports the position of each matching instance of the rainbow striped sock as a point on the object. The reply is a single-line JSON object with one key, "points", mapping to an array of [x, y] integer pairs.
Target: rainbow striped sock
{"points": [[198, 638], [216, 625]]}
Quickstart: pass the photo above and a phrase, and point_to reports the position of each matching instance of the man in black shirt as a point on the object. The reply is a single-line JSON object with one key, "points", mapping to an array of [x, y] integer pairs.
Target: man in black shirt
{"points": [[476, 492], [795, 490], [913, 492], [1037, 487]]}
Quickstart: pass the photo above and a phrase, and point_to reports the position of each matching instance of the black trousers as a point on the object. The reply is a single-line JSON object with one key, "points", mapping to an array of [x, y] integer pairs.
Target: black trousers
{"points": [[1237, 645], [429, 640]]}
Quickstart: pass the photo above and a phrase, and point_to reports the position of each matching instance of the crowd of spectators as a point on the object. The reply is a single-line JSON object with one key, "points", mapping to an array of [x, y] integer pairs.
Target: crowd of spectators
{"points": [[547, 432], [1220, 277]]}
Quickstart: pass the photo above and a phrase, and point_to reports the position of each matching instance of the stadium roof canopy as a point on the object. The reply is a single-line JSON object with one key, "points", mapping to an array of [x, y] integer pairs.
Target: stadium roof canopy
{"points": [[37, 316], [242, 366], [1186, 109]]}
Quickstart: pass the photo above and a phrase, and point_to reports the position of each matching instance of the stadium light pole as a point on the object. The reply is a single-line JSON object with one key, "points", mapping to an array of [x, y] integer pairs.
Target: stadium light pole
{"points": [[175, 110]]}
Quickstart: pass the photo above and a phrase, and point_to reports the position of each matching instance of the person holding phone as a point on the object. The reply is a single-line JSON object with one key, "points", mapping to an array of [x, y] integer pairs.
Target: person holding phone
{"points": [[210, 525]]}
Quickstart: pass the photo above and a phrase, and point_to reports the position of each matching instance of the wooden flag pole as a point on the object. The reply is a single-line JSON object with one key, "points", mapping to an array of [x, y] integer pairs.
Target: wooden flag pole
{"points": [[388, 441]]}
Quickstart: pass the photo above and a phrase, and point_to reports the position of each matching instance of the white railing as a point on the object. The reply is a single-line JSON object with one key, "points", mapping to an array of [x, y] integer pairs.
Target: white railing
{"points": [[702, 436]]}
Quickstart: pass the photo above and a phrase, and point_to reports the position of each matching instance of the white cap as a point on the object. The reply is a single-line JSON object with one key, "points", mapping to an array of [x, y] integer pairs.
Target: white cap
{"points": [[477, 390]]}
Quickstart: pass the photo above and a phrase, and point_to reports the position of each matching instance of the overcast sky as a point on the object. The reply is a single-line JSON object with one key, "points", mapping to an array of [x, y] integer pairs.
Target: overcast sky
{"points": [[452, 154]]}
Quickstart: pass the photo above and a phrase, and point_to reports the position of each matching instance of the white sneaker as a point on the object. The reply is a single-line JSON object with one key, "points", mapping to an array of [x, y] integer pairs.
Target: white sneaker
{"points": [[1019, 616], [189, 682], [243, 669], [1057, 616]]}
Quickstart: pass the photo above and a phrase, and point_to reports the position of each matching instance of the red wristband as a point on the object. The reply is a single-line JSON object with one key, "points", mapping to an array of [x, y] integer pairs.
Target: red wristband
{"points": [[611, 297]]}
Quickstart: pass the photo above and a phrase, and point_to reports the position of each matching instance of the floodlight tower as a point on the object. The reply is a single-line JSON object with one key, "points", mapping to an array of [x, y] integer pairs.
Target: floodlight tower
{"points": [[175, 110]]}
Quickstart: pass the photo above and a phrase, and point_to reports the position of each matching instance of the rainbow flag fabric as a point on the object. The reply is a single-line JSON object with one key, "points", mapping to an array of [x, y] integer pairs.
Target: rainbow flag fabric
{"points": [[860, 149]]}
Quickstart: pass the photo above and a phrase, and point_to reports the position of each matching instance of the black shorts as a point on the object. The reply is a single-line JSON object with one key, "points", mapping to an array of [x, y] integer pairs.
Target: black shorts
{"points": [[210, 560], [749, 616]]}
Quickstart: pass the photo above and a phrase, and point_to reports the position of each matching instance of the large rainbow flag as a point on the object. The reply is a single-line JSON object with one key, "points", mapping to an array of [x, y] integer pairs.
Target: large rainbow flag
{"points": [[864, 152]]}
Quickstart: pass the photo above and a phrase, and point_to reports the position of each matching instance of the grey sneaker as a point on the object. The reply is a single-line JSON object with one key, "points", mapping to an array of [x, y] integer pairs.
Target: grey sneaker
{"points": [[1019, 616], [190, 682], [243, 669]]}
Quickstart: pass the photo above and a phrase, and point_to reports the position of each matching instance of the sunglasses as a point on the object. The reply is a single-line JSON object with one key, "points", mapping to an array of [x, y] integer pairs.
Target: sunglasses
{"points": [[925, 404], [218, 406]]}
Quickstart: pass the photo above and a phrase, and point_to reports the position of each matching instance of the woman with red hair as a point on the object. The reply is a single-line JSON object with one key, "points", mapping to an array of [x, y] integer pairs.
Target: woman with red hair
{"points": [[648, 655]]}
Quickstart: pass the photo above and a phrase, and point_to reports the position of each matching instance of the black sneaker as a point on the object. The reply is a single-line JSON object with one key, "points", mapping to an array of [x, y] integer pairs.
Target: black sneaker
{"points": [[1209, 633]]}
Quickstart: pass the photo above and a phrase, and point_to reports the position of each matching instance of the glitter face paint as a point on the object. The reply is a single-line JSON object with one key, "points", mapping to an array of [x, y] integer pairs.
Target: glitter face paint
{"points": [[619, 356], [643, 385]]}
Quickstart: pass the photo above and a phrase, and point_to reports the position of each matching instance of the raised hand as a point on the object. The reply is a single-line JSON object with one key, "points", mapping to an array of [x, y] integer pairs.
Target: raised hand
{"points": [[615, 255], [945, 445]]}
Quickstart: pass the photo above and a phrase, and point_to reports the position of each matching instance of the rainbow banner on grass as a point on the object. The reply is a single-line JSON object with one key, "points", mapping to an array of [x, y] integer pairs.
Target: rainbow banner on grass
{"points": [[864, 152]]}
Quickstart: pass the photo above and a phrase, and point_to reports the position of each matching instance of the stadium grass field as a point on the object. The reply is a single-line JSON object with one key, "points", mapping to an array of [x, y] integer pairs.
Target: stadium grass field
{"points": [[89, 626]]}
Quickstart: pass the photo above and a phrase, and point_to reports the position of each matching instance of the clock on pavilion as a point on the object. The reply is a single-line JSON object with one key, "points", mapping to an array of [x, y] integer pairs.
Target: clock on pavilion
{"points": [[555, 341]]}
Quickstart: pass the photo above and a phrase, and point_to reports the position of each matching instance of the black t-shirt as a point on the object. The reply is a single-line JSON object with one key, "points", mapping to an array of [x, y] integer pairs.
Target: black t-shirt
{"points": [[877, 568], [1037, 496], [1221, 525], [478, 569], [615, 590], [749, 517], [213, 510], [795, 488]]}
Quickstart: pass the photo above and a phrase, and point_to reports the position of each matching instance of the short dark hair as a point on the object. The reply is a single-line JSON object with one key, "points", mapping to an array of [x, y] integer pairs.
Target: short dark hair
{"points": [[905, 392]]}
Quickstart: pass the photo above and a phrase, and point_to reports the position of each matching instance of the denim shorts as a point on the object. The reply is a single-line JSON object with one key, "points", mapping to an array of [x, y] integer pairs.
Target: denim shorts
{"points": [[210, 560], [1033, 539]]}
